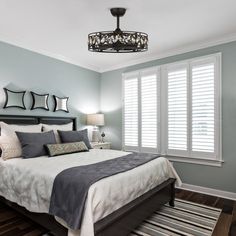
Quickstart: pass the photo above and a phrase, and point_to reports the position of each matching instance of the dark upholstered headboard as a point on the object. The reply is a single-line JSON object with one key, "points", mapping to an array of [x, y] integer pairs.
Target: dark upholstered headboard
{"points": [[30, 120]]}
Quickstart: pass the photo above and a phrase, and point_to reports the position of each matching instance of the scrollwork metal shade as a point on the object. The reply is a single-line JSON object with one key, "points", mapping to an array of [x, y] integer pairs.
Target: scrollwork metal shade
{"points": [[123, 41], [118, 41]]}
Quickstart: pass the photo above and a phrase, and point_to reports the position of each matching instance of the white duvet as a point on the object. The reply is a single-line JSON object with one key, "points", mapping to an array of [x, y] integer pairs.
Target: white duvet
{"points": [[28, 182]]}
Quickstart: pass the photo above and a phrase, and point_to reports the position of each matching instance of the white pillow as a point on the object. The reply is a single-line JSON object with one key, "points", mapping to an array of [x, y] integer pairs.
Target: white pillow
{"points": [[65, 127], [9, 143]]}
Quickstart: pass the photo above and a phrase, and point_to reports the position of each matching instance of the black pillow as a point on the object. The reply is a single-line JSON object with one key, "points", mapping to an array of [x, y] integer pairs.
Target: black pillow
{"points": [[75, 136], [33, 144]]}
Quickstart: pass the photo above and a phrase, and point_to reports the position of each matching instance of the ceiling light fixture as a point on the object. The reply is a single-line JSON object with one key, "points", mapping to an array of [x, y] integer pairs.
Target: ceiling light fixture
{"points": [[117, 41]]}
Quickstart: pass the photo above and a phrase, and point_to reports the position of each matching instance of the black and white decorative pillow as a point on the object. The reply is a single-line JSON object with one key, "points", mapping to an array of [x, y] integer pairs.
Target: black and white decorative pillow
{"points": [[66, 148]]}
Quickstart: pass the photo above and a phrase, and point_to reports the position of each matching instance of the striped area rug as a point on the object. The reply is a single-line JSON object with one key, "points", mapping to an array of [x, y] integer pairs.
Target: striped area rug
{"points": [[185, 219]]}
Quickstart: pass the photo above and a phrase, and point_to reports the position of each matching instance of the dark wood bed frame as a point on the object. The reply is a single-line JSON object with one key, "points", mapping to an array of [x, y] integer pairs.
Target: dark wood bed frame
{"points": [[119, 223]]}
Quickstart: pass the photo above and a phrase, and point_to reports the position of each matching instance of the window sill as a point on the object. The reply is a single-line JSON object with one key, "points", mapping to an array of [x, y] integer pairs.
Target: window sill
{"points": [[198, 161]]}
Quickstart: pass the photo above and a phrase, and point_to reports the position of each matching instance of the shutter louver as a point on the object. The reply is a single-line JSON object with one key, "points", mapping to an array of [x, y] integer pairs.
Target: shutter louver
{"points": [[177, 109], [131, 112], [149, 111], [203, 108]]}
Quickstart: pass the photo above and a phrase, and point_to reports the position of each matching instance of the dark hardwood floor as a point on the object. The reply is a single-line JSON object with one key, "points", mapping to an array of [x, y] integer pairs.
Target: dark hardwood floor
{"points": [[228, 207], [14, 224]]}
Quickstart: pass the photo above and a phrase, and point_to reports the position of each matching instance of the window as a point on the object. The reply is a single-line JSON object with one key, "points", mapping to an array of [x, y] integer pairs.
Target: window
{"points": [[141, 111], [174, 109]]}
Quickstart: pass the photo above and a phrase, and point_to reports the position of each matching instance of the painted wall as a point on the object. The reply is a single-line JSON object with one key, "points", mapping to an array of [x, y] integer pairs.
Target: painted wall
{"points": [[21, 69], [89, 91], [222, 178]]}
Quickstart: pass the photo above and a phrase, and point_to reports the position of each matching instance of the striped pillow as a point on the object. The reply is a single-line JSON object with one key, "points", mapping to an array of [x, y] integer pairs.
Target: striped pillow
{"points": [[66, 148]]}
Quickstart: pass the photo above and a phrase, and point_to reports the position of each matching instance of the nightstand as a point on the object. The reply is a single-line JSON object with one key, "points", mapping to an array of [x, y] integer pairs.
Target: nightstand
{"points": [[105, 145]]}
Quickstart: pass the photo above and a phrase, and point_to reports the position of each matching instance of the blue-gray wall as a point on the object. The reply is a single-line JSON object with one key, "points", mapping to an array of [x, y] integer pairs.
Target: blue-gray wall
{"points": [[21, 69], [222, 178], [89, 91]]}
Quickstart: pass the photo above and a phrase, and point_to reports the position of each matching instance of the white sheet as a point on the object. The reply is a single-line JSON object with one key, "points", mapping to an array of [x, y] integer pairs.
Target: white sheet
{"points": [[28, 182]]}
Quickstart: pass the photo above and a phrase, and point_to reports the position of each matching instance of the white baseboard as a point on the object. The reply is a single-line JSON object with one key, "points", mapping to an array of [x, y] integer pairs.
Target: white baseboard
{"points": [[209, 191]]}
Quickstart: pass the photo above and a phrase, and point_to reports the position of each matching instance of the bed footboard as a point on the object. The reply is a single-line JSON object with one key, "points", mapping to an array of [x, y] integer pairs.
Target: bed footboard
{"points": [[124, 220], [118, 223]]}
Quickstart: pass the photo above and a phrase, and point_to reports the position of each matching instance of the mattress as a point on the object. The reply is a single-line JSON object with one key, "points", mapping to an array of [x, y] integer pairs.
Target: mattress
{"points": [[29, 182]]}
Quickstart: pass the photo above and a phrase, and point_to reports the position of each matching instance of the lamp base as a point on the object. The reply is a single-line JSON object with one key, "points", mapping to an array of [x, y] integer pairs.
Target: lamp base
{"points": [[95, 136]]}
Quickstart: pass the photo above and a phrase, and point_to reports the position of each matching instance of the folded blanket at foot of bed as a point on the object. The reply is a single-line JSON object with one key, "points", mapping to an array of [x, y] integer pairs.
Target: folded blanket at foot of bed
{"points": [[70, 187]]}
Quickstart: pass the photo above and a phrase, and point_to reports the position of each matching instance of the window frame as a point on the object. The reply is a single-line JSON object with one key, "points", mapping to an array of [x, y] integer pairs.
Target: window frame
{"points": [[162, 136]]}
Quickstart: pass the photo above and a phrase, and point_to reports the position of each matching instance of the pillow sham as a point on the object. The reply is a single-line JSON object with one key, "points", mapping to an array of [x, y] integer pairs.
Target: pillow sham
{"points": [[66, 148], [9, 142], [75, 136], [33, 144], [64, 127]]}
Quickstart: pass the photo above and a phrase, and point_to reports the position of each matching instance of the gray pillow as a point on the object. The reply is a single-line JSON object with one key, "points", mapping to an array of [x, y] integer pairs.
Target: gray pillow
{"points": [[33, 144], [75, 136]]}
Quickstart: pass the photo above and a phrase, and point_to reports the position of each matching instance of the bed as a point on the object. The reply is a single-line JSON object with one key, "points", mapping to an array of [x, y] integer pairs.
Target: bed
{"points": [[27, 188]]}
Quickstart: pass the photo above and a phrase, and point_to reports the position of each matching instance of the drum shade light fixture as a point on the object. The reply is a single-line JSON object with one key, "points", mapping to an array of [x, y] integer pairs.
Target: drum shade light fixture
{"points": [[118, 41]]}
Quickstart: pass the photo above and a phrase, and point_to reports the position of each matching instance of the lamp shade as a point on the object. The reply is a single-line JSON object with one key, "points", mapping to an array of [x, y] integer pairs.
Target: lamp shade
{"points": [[95, 119]]}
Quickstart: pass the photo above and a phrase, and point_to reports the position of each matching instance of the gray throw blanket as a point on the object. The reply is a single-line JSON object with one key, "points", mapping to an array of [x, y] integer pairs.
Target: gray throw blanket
{"points": [[70, 187]]}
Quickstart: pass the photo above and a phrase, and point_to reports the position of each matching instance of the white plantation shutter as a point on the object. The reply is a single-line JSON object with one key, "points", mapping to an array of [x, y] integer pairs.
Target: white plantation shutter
{"points": [[141, 110], [149, 111], [177, 111], [204, 110], [130, 112]]}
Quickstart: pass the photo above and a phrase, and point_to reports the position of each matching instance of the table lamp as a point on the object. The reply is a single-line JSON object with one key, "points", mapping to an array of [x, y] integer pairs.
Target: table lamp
{"points": [[95, 120]]}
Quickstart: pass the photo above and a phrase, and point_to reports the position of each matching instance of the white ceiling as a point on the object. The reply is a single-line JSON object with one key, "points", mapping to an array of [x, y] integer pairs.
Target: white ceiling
{"points": [[59, 28]]}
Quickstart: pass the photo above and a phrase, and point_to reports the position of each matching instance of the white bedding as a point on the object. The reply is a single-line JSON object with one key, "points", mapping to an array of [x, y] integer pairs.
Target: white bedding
{"points": [[29, 182]]}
